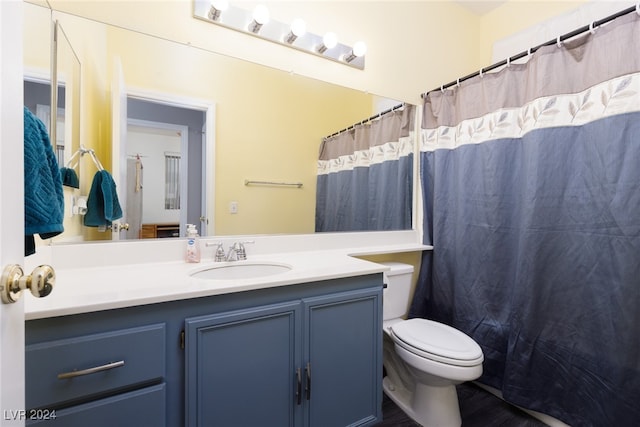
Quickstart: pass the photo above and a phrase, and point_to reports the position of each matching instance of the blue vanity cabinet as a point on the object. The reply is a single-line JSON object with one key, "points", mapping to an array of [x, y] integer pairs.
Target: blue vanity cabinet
{"points": [[304, 355], [316, 362]]}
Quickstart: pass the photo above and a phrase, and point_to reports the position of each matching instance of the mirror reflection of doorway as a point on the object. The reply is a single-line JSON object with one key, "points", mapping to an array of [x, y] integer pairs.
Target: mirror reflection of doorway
{"points": [[164, 179]]}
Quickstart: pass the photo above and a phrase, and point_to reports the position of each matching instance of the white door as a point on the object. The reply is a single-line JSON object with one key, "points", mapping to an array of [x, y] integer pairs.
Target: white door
{"points": [[11, 209]]}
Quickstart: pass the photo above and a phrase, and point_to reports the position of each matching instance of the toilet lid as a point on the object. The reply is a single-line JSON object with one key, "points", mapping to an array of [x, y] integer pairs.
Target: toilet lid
{"points": [[437, 341]]}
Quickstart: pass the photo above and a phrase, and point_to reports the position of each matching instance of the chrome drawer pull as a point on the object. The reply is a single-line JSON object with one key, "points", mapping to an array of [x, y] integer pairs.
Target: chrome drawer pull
{"points": [[105, 367]]}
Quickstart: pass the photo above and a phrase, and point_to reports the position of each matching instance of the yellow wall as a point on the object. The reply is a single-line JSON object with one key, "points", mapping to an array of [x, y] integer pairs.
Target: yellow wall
{"points": [[266, 128]]}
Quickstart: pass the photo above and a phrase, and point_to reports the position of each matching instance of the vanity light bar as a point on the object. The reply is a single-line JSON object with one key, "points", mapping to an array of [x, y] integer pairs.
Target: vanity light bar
{"points": [[243, 20]]}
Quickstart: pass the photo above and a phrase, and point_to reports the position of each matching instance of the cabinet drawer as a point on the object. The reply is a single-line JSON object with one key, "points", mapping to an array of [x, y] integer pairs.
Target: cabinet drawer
{"points": [[144, 407], [63, 372]]}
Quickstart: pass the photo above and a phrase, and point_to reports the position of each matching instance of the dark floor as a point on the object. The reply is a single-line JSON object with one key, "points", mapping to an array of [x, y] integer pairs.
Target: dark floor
{"points": [[478, 408]]}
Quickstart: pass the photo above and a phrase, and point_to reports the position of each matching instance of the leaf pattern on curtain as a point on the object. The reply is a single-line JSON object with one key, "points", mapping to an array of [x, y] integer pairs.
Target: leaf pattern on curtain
{"points": [[616, 97]]}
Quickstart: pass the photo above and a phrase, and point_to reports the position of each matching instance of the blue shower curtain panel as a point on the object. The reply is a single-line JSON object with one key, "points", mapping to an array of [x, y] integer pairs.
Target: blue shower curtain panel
{"points": [[374, 198], [343, 200], [537, 257], [531, 190]]}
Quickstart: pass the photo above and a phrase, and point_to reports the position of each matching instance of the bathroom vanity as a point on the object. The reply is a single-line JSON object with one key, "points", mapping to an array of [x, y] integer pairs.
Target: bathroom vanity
{"points": [[300, 355], [303, 348]]}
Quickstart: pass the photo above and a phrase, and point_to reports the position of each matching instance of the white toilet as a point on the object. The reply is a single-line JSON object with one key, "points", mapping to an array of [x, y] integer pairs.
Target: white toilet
{"points": [[423, 359]]}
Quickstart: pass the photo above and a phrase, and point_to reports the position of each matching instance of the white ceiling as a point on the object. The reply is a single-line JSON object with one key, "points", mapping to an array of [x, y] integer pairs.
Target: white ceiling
{"points": [[480, 7]]}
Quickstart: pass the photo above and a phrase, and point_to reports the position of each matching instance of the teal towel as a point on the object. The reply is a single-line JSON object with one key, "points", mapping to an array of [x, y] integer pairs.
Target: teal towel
{"points": [[69, 177], [43, 196], [103, 206]]}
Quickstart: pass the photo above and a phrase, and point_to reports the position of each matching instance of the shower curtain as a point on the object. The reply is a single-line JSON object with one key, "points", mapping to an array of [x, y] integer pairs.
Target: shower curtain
{"points": [[531, 186], [365, 175]]}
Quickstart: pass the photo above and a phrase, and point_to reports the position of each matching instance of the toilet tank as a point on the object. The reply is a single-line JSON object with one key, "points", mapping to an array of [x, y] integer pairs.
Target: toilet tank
{"points": [[397, 291]]}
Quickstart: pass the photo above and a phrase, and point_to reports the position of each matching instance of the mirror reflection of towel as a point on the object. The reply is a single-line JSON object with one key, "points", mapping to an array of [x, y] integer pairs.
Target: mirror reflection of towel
{"points": [[103, 206], [43, 196], [69, 177]]}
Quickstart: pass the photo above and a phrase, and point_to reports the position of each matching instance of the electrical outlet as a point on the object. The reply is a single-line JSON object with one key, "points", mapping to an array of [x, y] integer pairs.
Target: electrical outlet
{"points": [[233, 207]]}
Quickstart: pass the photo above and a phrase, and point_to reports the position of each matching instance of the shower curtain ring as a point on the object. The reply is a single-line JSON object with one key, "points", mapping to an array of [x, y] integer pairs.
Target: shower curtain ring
{"points": [[529, 52], [457, 82], [481, 72], [442, 88], [559, 42], [592, 27], [508, 62], [638, 8]]}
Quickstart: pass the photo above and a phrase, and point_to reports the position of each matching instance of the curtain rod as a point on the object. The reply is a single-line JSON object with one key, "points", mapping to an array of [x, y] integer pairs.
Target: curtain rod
{"points": [[375, 116], [560, 39]]}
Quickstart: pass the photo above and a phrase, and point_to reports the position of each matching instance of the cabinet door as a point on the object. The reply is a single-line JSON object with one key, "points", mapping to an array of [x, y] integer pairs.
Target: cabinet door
{"points": [[344, 354], [241, 367]]}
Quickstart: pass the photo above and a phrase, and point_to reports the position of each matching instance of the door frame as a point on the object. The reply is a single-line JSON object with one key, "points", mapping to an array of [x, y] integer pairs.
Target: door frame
{"points": [[208, 107], [12, 366]]}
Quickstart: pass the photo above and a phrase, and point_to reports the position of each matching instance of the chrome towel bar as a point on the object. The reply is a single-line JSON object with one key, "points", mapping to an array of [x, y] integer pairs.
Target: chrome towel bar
{"points": [[273, 183]]}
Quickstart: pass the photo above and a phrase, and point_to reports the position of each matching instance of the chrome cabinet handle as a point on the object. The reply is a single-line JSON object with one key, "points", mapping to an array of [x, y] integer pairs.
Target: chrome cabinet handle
{"points": [[308, 385], [88, 371], [299, 387]]}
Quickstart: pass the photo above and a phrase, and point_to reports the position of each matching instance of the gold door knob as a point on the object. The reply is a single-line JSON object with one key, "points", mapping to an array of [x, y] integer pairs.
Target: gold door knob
{"points": [[40, 282], [119, 227]]}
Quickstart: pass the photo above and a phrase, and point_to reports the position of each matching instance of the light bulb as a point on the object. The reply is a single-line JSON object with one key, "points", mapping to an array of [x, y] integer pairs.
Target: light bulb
{"points": [[261, 14], [298, 29], [359, 49], [220, 5], [260, 17], [329, 41]]}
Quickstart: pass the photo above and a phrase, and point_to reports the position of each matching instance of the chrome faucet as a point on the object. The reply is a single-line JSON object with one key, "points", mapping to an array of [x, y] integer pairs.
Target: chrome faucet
{"points": [[236, 252], [218, 255]]}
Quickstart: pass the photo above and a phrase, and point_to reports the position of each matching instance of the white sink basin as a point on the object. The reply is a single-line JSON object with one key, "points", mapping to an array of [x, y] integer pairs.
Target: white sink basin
{"points": [[240, 270]]}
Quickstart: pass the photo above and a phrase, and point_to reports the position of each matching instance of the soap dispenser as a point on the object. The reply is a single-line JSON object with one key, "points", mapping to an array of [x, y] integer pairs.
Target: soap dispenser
{"points": [[193, 244]]}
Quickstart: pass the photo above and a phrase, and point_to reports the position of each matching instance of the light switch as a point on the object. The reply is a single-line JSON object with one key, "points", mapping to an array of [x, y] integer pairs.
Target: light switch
{"points": [[233, 207]]}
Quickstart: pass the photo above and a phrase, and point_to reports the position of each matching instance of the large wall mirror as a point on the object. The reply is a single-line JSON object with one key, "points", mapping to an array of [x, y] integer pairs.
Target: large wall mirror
{"points": [[146, 100]]}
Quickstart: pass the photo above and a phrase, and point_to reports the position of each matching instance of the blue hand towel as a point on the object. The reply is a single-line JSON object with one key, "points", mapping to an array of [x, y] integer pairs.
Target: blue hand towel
{"points": [[43, 196], [69, 177], [103, 206]]}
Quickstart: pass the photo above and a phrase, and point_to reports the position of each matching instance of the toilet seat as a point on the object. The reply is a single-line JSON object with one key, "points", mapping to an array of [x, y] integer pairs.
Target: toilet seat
{"points": [[437, 341]]}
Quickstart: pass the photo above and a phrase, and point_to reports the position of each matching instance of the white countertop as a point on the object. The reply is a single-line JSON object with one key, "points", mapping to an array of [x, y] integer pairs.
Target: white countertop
{"points": [[103, 287]]}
